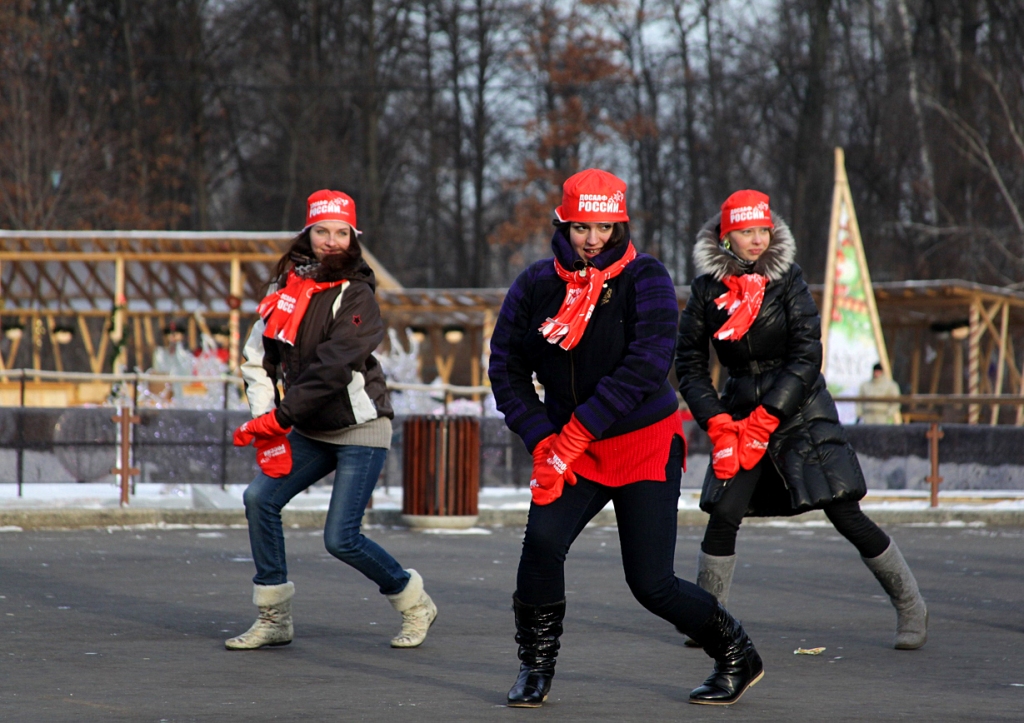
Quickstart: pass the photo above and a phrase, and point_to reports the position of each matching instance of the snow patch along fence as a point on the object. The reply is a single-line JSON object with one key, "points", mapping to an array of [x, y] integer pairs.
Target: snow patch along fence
{"points": [[179, 446]]}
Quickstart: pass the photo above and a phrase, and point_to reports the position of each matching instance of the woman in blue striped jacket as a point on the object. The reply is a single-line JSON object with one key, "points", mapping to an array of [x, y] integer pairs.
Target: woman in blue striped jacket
{"points": [[596, 325]]}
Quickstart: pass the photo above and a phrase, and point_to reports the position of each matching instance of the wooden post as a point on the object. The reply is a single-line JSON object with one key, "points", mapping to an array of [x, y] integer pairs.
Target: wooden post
{"points": [[58, 362], [915, 361], [234, 314], [1004, 327], [125, 470], [974, 359], [37, 343], [147, 327], [120, 303], [140, 362], [934, 434], [958, 366]]}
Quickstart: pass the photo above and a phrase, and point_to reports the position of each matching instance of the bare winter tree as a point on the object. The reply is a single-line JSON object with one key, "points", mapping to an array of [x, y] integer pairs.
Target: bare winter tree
{"points": [[454, 122]]}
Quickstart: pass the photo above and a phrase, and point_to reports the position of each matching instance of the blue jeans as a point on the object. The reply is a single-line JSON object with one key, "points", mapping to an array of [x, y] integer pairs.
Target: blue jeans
{"points": [[355, 474], [646, 513]]}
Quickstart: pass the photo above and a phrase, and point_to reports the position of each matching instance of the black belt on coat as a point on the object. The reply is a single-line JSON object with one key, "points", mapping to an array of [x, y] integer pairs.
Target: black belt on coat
{"points": [[755, 367]]}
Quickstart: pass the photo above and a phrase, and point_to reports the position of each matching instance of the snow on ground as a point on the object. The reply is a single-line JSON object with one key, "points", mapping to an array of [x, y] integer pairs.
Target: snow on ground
{"points": [[102, 495]]}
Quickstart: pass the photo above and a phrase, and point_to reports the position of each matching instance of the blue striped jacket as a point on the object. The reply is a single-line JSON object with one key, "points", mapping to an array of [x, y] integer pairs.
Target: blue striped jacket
{"points": [[615, 379]]}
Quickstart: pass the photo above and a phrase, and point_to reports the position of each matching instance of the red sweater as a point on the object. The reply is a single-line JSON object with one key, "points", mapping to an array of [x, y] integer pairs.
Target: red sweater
{"points": [[632, 457]]}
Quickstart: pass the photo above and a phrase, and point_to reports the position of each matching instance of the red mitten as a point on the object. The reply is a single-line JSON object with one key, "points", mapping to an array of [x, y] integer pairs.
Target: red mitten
{"points": [[546, 483], [724, 434], [274, 455], [264, 426], [545, 495], [569, 446], [754, 433], [572, 441]]}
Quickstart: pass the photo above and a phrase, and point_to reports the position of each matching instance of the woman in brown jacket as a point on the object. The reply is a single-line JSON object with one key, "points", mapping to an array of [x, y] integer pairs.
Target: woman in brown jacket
{"points": [[317, 333]]}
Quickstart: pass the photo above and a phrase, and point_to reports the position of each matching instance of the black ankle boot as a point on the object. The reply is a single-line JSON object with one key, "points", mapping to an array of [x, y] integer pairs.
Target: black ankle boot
{"points": [[538, 628], [737, 664]]}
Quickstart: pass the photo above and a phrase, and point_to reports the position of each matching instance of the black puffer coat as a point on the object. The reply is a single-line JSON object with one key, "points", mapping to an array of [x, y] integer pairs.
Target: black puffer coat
{"points": [[777, 363]]}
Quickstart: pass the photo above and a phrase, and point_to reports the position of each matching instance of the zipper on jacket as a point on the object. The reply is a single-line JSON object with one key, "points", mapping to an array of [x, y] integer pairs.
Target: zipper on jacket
{"points": [[572, 379]]}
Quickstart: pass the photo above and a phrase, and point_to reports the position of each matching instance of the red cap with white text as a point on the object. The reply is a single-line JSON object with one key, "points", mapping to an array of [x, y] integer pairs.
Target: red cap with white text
{"points": [[745, 209], [328, 205], [593, 196]]}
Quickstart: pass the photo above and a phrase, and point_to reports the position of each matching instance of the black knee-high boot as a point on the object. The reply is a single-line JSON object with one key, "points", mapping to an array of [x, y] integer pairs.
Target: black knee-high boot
{"points": [[538, 628], [737, 664]]}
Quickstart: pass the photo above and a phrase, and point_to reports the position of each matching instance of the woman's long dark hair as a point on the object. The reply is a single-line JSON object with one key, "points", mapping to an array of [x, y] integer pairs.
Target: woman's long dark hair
{"points": [[300, 252], [298, 248]]}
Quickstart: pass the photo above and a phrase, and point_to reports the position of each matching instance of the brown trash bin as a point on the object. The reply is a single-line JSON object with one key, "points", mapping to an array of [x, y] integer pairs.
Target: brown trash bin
{"points": [[441, 471]]}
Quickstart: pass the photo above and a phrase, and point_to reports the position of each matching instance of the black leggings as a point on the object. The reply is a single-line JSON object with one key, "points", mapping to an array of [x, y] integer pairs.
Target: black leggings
{"points": [[846, 516], [646, 513]]}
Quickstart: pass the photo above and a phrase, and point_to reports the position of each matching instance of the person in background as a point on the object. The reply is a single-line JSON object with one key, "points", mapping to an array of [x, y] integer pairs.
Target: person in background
{"points": [[317, 332], [779, 448], [879, 412], [597, 325], [173, 359]]}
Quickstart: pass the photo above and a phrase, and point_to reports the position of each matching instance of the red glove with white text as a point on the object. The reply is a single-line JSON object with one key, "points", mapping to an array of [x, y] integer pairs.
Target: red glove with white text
{"points": [[556, 469], [273, 451], [262, 427], [754, 433], [570, 445], [544, 495], [274, 455], [724, 434]]}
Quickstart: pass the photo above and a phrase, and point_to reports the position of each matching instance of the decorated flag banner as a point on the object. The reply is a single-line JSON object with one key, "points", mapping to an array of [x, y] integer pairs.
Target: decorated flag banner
{"points": [[851, 333]]}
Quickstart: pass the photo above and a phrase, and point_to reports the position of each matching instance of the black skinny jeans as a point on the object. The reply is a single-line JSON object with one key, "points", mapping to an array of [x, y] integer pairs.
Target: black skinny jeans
{"points": [[646, 513], [846, 516]]}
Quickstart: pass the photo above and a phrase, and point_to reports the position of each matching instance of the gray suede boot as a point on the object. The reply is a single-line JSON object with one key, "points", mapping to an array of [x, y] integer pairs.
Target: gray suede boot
{"points": [[274, 624], [899, 584], [714, 574], [418, 612]]}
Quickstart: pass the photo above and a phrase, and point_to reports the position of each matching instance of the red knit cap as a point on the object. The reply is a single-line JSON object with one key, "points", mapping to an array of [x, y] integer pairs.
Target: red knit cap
{"points": [[328, 205], [593, 196], [745, 209]]}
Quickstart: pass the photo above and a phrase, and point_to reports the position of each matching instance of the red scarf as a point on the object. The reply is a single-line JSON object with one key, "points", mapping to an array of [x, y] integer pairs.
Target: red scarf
{"points": [[582, 290], [283, 310], [743, 302]]}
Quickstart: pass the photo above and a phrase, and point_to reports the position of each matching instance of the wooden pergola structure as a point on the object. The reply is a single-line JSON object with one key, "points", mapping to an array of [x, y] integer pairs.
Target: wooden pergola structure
{"points": [[98, 300], [931, 326]]}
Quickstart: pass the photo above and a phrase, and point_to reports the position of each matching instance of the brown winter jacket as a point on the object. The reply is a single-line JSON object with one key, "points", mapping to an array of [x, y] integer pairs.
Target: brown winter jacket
{"points": [[331, 378]]}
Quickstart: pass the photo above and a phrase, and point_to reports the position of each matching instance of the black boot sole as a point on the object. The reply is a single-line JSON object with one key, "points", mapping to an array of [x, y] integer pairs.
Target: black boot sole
{"points": [[526, 704], [729, 701]]}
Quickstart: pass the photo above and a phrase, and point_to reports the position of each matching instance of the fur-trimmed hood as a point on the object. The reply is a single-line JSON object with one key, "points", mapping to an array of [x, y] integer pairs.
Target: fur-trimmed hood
{"points": [[709, 257]]}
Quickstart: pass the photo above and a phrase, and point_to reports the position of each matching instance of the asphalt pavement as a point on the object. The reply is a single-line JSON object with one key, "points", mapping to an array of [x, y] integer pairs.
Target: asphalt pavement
{"points": [[128, 625]]}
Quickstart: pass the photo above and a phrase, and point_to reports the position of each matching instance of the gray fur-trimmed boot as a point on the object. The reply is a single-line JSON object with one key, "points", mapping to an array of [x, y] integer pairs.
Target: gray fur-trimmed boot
{"points": [[714, 574], [274, 624], [418, 612], [898, 581]]}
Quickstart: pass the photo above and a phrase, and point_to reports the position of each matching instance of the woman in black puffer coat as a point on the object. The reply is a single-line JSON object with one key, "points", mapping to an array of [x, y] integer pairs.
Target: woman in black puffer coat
{"points": [[779, 448]]}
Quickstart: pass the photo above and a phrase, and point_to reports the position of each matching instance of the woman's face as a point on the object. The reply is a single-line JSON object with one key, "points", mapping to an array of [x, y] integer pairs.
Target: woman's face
{"points": [[329, 237], [589, 239], [750, 243]]}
